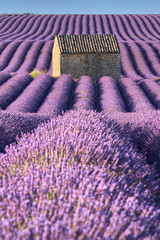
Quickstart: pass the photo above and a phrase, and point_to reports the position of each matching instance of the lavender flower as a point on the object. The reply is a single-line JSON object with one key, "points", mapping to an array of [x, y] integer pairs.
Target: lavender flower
{"points": [[33, 95], [109, 96], [54, 184], [135, 98], [4, 77], [85, 94], [152, 90], [58, 99], [10, 90]]}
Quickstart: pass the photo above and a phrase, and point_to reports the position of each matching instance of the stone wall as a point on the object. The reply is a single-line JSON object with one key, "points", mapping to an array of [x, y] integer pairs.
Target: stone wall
{"points": [[95, 65], [56, 59]]}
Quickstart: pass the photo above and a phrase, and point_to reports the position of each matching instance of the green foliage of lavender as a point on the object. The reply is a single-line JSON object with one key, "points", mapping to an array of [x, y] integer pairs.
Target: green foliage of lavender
{"points": [[77, 177]]}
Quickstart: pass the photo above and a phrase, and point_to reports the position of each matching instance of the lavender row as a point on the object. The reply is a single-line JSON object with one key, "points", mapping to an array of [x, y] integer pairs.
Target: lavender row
{"points": [[78, 25], [71, 25], [65, 93], [123, 30], [128, 28], [140, 61], [138, 29], [3, 46], [152, 58], [35, 28], [7, 54], [127, 65], [31, 58], [11, 89], [45, 27], [156, 47], [48, 29], [39, 30], [45, 57], [139, 32], [17, 27], [19, 57], [144, 29], [110, 99], [55, 186], [21, 28], [33, 95], [6, 25], [58, 99], [29, 26], [25, 56], [151, 26], [134, 97], [14, 124], [84, 94], [4, 22], [154, 20], [144, 128], [26, 28], [114, 28], [55, 28], [152, 90], [134, 28], [4, 77]]}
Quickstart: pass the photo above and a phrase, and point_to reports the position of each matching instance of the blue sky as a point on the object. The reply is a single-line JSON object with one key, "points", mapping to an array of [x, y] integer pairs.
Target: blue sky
{"points": [[80, 6]]}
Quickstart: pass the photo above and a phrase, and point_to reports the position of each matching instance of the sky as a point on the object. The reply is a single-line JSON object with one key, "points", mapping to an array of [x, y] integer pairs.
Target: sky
{"points": [[80, 6]]}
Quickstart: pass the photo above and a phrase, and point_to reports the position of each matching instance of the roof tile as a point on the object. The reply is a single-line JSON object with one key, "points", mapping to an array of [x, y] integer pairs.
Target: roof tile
{"points": [[82, 43]]}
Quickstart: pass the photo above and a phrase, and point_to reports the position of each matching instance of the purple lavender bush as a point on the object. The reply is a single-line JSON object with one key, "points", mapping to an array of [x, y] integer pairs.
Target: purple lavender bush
{"points": [[58, 99], [33, 95], [152, 90], [84, 96], [31, 57], [143, 128], [7, 54], [45, 57], [110, 98], [13, 124], [18, 57], [4, 77], [77, 177], [127, 64], [147, 138], [135, 99], [11, 89]]}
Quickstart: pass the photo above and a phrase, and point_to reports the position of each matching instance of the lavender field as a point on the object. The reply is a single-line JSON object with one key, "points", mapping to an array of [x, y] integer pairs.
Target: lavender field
{"points": [[79, 159], [26, 41]]}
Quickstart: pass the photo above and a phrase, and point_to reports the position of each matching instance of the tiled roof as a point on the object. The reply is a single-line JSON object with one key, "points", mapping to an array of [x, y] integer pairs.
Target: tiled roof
{"points": [[86, 43]]}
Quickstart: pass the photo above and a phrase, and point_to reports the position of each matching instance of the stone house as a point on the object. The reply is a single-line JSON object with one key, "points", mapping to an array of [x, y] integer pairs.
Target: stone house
{"points": [[84, 54]]}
